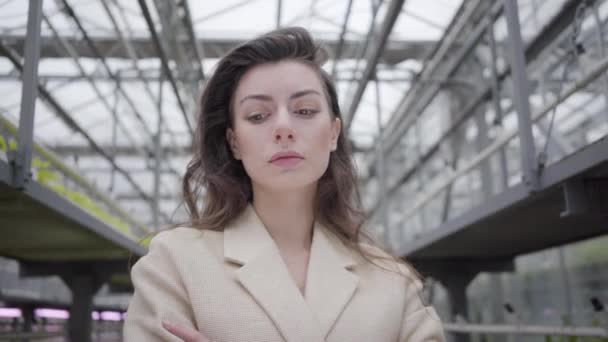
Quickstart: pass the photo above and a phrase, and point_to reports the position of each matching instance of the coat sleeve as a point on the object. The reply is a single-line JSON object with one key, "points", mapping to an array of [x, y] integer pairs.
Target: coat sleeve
{"points": [[420, 322], [159, 294]]}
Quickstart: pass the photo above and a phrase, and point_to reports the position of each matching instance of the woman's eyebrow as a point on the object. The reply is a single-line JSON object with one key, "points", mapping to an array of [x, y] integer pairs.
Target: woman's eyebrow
{"points": [[260, 97], [263, 97], [303, 93]]}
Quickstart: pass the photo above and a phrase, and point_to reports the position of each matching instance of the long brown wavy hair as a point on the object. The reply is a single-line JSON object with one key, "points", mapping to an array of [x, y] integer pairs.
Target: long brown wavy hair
{"points": [[226, 186]]}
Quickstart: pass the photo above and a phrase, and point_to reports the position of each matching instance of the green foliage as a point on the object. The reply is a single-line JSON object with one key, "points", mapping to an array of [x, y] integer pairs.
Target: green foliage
{"points": [[86, 203], [46, 176], [145, 241], [3, 144]]}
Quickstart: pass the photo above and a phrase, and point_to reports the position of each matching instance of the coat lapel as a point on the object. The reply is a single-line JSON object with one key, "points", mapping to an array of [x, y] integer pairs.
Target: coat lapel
{"points": [[330, 284], [266, 277]]}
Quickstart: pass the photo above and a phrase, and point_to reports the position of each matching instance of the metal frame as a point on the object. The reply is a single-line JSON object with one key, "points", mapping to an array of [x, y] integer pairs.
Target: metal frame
{"points": [[468, 110], [164, 62], [555, 174], [29, 93], [372, 56]]}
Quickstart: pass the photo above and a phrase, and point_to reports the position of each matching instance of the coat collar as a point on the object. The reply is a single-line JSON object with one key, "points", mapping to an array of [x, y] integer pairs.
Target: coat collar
{"points": [[330, 284]]}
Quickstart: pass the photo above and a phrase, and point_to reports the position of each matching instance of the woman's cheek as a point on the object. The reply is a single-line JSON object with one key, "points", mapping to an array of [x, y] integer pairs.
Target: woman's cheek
{"points": [[324, 140], [251, 164], [322, 151]]}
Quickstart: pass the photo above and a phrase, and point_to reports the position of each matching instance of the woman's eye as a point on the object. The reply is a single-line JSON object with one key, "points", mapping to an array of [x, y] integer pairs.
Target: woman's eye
{"points": [[307, 111], [256, 117]]}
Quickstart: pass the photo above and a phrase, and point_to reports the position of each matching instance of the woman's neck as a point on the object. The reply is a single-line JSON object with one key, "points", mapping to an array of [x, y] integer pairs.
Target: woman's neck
{"points": [[288, 216]]}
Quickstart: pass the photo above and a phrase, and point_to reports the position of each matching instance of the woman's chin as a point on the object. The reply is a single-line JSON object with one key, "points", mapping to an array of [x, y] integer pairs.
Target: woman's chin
{"points": [[289, 184]]}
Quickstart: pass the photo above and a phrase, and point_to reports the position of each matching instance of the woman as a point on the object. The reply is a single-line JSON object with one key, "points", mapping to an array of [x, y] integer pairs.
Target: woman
{"points": [[275, 252]]}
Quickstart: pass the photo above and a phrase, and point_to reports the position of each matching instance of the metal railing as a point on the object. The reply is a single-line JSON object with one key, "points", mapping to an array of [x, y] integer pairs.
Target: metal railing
{"points": [[73, 175], [542, 330]]}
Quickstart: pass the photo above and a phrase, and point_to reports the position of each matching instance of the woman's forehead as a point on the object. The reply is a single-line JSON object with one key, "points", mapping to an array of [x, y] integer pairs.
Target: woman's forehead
{"points": [[277, 79]]}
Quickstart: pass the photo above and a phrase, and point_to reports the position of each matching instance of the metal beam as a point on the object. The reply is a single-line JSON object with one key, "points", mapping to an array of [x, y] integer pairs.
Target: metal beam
{"points": [[181, 51], [122, 150], [372, 57], [155, 77], [558, 24], [279, 13], [338, 51], [29, 94], [165, 63], [131, 52], [199, 52], [521, 92], [395, 51]]}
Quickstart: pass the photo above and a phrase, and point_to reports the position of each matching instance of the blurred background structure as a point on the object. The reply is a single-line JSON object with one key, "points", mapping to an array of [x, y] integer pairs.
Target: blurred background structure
{"points": [[480, 131]]}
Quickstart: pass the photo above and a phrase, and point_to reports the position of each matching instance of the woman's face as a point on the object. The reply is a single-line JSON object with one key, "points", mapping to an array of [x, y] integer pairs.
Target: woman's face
{"points": [[283, 130]]}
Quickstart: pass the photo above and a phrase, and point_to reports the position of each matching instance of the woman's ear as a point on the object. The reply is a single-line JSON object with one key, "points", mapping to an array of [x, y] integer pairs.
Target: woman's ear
{"points": [[336, 126], [234, 147]]}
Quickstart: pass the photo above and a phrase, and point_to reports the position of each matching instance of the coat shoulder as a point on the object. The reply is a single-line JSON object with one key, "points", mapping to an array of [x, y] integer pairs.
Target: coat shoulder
{"points": [[176, 235], [420, 321], [186, 240], [182, 234], [390, 263]]}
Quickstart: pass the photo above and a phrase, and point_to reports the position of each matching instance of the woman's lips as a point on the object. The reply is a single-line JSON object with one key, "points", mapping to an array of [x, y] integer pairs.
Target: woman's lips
{"points": [[286, 161]]}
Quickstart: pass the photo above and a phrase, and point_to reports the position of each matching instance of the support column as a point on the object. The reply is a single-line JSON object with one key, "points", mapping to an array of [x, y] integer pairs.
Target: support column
{"points": [[521, 93], [381, 172], [83, 287], [497, 302], [498, 114], [27, 313], [456, 284], [84, 279], [456, 275]]}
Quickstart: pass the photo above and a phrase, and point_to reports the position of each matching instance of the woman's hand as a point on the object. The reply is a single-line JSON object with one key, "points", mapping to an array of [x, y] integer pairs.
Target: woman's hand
{"points": [[185, 333]]}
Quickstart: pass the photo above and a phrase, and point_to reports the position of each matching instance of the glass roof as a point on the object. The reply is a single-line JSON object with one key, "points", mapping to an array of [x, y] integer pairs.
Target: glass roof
{"points": [[102, 70], [82, 86]]}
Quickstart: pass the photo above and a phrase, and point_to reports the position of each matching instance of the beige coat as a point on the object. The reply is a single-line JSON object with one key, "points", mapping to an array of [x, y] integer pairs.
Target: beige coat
{"points": [[234, 286]]}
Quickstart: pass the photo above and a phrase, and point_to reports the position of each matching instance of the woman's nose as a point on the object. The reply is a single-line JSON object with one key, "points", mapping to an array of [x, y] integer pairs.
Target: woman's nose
{"points": [[283, 130], [283, 134]]}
